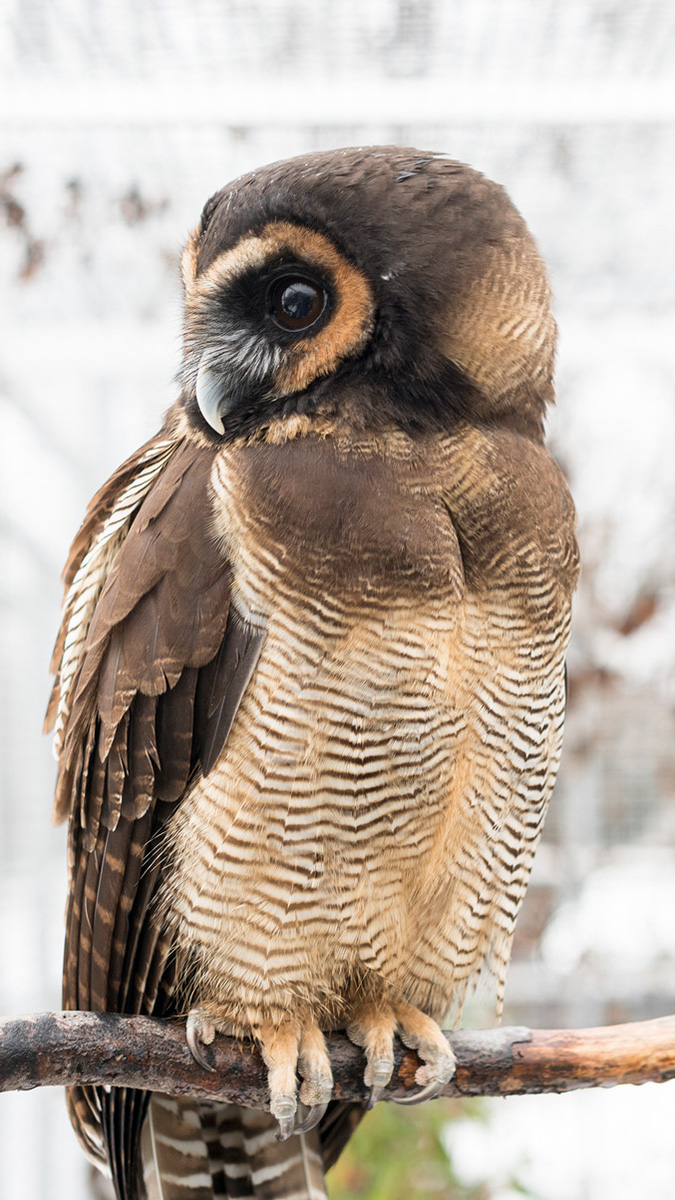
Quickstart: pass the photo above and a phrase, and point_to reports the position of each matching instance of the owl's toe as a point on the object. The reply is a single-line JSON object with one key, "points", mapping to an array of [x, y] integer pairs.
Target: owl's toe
{"points": [[314, 1067], [373, 1029], [279, 1045], [289, 1049], [421, 1033], [284, 1108]]}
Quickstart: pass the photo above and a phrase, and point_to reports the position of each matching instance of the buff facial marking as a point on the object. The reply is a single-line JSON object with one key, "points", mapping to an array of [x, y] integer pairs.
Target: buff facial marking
{"points": [[320, 300]]}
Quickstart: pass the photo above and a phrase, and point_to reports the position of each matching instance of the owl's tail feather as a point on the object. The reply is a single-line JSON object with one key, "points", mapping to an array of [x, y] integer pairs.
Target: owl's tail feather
{"points": [[204, 1150]]}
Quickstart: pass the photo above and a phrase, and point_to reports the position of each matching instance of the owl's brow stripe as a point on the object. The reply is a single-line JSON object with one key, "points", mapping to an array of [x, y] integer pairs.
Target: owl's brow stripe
{"points": [[350, 323]]}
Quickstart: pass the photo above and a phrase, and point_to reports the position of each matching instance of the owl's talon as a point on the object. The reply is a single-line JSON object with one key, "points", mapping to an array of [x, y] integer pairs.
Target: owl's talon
{"points": [[286, 1128], [421, 1033], [373, 1029], [284, 1108], [199, 1031], [314, 1115], [288, 1050], [429, 1092], [374, 1096], [378, 1074]]}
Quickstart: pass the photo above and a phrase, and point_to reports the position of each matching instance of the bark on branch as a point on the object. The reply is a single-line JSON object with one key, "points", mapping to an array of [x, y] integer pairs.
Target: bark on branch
{"points": [[50, 1049]]}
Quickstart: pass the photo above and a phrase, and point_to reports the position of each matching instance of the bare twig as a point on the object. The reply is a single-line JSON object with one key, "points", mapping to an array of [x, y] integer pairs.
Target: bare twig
{"points": [[50, 1049]]}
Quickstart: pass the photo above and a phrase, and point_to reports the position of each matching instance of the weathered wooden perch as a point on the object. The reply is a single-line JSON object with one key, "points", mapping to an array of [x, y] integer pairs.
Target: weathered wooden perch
{"points": [[50, 1049]]}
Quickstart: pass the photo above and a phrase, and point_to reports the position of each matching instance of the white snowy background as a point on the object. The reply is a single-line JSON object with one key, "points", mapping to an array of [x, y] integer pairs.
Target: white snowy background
{"points": [[117, 120]]}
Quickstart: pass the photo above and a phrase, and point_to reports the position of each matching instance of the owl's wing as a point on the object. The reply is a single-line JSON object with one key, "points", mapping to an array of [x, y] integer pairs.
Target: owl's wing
{"points": [[151, 664]]}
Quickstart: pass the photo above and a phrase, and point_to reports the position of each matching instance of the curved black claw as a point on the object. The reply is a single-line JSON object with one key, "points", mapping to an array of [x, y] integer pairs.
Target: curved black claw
{"points": [[195, 1043], [314, 1114], [429, 1092], [374, 1095]]}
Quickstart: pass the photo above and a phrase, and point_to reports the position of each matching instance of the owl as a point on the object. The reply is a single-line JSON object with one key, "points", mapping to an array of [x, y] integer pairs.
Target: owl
{"points": [[310, 685]]}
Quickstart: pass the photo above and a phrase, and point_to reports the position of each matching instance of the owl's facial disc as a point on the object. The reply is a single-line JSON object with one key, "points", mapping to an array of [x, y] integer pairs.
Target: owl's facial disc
{"points": [[267, 318], [280, 306]]}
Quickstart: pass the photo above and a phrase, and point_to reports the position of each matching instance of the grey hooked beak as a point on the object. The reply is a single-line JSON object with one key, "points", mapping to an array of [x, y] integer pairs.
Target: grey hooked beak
{"points": [[213, 396]]}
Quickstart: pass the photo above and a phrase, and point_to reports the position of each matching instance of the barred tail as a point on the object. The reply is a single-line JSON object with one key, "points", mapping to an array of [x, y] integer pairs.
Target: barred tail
{"points": [[205, 1150]]}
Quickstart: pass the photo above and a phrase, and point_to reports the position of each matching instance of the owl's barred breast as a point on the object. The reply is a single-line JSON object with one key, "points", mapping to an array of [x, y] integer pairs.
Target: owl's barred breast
{"points": [[371, 801]]}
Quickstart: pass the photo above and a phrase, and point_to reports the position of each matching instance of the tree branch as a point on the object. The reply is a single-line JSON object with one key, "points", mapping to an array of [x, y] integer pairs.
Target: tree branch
{"points": [[49, 1049]]}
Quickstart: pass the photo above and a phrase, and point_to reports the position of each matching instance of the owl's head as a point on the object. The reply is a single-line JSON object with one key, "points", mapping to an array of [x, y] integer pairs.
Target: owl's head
{"points": [[376, 286]]}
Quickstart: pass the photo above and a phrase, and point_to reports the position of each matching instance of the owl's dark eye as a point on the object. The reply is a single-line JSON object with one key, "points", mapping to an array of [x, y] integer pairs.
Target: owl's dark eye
{"points": [[296, 303]]}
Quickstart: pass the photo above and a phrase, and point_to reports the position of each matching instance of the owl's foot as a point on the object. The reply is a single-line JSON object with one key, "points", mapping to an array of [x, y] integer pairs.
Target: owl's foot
{"points": [[420, 1033], [289, 1049], [373, 1029]]}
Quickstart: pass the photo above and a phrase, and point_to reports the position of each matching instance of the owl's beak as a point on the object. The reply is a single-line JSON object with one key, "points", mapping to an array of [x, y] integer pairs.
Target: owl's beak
{"points": [[214, 396], [220, 392]]}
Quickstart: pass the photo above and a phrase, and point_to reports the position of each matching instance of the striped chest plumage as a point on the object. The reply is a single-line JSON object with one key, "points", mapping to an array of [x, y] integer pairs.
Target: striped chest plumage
{"points": [[377, 748]]}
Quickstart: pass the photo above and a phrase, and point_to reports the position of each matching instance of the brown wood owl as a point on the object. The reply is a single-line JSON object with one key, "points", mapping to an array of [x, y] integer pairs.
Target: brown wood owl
{"points": [[310, 679]]}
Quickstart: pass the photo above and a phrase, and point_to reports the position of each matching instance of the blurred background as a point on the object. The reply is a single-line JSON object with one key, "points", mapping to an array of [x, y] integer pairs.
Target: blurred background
{"points": [[118, 119]]}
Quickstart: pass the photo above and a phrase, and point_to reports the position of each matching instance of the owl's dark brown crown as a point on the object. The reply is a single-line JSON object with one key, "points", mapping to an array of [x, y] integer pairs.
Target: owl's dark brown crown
{"points": [[382, 285]]}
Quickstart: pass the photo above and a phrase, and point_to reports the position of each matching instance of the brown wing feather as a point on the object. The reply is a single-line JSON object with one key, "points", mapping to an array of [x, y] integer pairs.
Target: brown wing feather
{"points": [[336, 1128], [105, 524], [163, 667], [156, 660]]}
